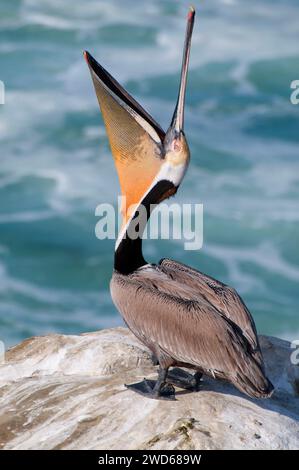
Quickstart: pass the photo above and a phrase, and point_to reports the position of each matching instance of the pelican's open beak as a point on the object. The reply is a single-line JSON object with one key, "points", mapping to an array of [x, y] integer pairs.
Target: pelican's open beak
{"points": [[177, 122], [135, 137], [137, 141]]}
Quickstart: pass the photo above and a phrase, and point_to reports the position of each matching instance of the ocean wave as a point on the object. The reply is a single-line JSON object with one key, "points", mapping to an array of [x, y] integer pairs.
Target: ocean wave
{"points": [[264, 255], [56, 165]]}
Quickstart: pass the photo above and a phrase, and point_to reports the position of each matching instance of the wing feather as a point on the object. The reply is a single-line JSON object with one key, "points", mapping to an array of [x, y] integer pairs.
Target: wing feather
{"points": [[186, 330], [222, 297]]}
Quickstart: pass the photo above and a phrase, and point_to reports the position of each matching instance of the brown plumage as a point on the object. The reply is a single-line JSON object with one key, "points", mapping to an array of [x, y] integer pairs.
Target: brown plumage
{"points": [[185, 317]]}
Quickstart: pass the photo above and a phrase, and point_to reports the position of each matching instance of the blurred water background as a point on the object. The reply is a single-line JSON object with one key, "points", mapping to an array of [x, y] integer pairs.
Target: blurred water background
{"points": [[55, 164]]}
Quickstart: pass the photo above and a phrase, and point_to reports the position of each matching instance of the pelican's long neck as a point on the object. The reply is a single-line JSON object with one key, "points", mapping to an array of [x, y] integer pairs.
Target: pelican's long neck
{"points": [[128, 252]]}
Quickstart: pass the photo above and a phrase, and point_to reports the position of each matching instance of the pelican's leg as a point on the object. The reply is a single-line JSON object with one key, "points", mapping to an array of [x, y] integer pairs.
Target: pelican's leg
{"points": [[155, 360], [183, 379], [158, 390], [197, 379]]}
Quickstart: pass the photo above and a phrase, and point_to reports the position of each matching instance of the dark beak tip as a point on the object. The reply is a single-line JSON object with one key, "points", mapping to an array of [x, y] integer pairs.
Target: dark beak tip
{"points": [[89, 59], [191, 13], [91, 62], [86, 56]]}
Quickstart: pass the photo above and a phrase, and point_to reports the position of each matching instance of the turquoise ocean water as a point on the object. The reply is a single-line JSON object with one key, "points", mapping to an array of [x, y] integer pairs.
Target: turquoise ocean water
{"points": [[55, 164]]}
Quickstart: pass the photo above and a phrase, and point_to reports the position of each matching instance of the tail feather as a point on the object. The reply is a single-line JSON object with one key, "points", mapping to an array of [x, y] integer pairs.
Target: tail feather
{"points": [[249, 374], [253, 381]]}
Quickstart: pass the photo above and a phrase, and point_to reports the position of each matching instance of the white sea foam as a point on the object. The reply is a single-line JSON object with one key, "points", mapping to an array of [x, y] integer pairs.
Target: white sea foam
{"points": [[29, 216], [265, 256], [290, 335]]}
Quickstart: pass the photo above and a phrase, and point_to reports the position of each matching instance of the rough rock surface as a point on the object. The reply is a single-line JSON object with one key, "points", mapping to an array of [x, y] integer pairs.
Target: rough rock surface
{"points": [[67, 392]]}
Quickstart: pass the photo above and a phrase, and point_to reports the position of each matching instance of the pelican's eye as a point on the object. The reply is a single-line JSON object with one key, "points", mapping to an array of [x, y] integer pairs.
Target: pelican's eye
{"points": [[177, 145]]}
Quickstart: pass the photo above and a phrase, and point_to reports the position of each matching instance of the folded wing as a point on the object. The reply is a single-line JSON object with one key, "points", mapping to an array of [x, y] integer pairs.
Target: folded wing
{"points": [[188, 331], [221, 297]]}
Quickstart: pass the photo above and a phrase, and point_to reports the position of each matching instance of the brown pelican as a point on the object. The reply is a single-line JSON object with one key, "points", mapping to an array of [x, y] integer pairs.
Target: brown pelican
{"points": [[183, 316]]}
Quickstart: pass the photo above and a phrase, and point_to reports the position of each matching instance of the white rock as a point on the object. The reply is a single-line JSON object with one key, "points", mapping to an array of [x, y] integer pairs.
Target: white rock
{"points": [[67, 392]]}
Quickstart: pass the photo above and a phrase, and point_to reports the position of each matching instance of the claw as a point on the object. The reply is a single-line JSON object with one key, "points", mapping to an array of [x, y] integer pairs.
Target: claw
{"points": [[146, 388], [183, 379]]}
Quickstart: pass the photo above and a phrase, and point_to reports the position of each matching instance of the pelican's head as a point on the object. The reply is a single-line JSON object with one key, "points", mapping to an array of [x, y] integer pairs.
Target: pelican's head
{"points": [[176, 148]]}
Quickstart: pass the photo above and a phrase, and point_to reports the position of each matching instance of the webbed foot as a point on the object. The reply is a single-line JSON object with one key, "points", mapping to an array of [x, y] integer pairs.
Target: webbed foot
{"points": [[183, 379], [159, 390], [147, 389]]}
